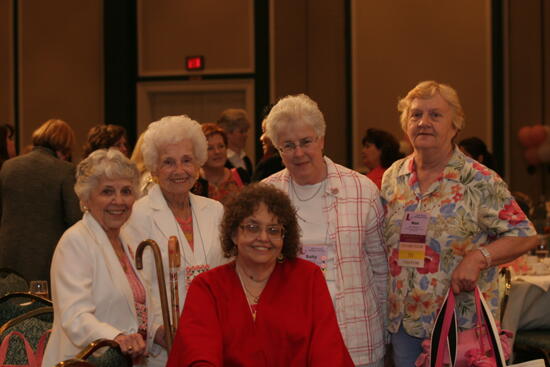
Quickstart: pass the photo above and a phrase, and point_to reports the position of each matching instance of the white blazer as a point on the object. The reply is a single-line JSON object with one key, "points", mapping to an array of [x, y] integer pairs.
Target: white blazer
{"points": [[91, 295], [152, 219]]}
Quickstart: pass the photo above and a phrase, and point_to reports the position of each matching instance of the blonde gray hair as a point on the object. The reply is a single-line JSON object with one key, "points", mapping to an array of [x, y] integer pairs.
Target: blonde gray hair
{"points": [[103, 163], [428, 89], [171, 130]]}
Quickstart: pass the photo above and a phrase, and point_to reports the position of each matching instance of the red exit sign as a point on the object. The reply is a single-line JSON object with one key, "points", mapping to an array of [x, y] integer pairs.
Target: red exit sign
{"points": [[194, 63]]}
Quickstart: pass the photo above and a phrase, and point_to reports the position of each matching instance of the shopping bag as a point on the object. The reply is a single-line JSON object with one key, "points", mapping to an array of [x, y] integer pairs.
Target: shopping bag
{"points": [[483, 346]]}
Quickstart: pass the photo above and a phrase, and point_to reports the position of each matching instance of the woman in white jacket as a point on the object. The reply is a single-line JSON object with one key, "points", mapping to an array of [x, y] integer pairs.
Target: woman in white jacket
{"points": [[96, 290], [174, 148]]}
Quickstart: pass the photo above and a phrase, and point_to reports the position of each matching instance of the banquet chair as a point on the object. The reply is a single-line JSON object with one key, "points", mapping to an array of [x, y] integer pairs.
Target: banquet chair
{"points": [[34, 326], [505, 285], [111, 357], [12, 281], [19, 303]]}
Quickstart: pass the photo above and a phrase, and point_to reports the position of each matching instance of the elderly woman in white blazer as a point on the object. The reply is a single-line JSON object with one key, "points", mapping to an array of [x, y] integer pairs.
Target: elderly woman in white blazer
{"points": [[174, 148], [96, 290]]}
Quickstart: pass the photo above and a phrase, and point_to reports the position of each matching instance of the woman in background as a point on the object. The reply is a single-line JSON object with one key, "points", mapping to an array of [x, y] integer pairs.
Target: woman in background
{"points": [[105, 137], [266, 308], [475, 148], [380, 150], [7, 143], [217, 181], [38, 202]]}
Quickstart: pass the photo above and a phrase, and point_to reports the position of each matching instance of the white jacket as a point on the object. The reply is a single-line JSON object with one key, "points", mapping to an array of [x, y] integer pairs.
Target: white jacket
{"points": [[152, 219], [91, 295]]}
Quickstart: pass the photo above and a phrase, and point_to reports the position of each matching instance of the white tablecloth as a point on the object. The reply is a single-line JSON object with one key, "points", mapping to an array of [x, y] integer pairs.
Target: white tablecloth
{"points": [[528, 306]]}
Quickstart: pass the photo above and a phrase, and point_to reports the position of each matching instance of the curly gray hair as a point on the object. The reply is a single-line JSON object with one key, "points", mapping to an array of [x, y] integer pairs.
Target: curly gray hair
{"points": [[103, 163], [171, 130], [294, 110]]}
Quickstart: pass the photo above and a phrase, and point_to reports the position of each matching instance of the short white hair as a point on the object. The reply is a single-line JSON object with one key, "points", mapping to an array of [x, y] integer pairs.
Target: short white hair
{"points": [[102, 163], [294, 110], [171, 130]]}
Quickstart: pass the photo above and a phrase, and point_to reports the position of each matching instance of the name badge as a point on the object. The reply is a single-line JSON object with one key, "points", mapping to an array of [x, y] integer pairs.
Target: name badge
{"points": [[317, 254], [412, 239]]}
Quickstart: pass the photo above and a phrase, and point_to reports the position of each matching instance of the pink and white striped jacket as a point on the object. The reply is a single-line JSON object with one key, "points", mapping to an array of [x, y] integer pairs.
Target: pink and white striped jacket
{"points": [[355, 222]]}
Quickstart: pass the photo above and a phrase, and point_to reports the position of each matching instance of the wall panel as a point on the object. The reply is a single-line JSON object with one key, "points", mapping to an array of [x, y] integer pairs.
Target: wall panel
{"points": [[170, 30], [61, 70], [6, 62], [396, 45]]}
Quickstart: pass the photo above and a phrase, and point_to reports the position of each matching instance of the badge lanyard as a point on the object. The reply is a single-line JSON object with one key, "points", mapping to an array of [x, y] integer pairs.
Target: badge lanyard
{"points": [[191, 271]]}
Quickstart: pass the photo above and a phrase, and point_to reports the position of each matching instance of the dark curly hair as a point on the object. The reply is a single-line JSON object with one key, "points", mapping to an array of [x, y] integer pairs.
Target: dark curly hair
{"points": [[386, 143], [245, 202], [102, 137]]}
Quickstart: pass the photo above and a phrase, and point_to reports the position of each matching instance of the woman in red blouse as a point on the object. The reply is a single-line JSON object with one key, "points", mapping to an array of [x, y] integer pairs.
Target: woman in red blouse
{"points": [[267, 307]]}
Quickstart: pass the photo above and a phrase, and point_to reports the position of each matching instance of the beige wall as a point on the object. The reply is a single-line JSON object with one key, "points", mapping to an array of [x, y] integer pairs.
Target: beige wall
{"points": [[6, 62], [308, 56], [398, 44], [61, 72], [170, 30]]}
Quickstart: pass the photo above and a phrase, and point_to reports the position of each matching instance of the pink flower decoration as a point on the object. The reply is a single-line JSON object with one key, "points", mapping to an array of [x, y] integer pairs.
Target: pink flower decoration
{"points": [[395, 269], [512, 213], [481, 169], [431, 262]]}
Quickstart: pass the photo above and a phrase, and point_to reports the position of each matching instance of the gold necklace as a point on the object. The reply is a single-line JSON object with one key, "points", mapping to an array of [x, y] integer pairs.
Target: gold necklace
{"points": [[255, 298]]}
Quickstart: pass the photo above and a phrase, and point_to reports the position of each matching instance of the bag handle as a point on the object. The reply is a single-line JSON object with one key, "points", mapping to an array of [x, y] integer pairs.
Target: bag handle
{"points": [[445, 331], [31, 360]]}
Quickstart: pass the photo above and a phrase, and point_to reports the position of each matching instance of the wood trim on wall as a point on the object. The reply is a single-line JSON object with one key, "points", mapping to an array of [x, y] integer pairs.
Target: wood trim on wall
{"points": [[146, 90]]}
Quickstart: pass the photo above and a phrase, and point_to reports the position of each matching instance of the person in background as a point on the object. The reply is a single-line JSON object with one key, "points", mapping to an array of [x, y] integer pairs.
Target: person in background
{"points": [[265, 308], [341, 218], [216, 181], [146, 180], [38, 202], [475, 148], [174, 148], [458, 216], [271, 161], [236, 124], [380, 150], [105, 137], [7, 143]]}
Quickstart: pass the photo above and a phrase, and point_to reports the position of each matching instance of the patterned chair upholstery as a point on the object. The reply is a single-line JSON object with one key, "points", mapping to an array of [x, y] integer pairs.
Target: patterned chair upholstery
{"points": [[32, 327], [19, 303], [11, 281]]}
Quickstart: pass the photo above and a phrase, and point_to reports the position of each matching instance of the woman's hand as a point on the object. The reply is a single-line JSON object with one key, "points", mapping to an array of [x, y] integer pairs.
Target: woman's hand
{"points": [[465, 275], [131, 344]]}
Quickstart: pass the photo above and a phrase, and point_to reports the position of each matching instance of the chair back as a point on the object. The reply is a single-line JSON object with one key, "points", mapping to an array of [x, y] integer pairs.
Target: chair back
{"points": [[505, 277], [12, 281], [15, 304], [33, 328]]}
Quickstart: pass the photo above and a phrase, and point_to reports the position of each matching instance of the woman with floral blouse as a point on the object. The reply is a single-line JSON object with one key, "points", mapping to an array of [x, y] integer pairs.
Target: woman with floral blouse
{"points": [[450, 220]]}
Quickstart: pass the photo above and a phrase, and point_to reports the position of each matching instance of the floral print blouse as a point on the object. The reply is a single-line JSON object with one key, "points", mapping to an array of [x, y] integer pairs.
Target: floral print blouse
{"points": [[469, 206]]}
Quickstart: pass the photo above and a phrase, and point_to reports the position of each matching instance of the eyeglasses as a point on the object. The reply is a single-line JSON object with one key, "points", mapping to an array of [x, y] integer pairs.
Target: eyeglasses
{"points": [[290, 146], [253, 230]]}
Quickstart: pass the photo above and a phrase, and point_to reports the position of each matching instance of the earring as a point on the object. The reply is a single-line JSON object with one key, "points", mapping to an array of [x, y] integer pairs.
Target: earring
{"points": [[281, 257], [85, 208]]}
